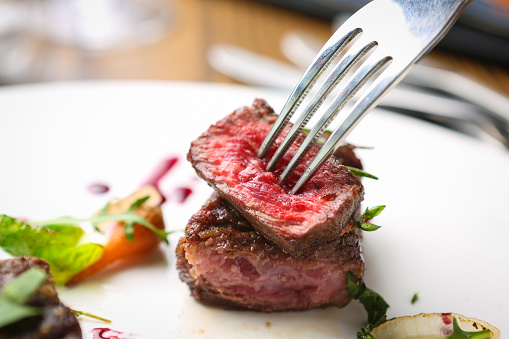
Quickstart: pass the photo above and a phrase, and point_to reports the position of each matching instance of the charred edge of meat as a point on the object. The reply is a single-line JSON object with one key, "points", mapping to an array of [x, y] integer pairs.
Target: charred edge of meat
{"points": [[57, 321], [217, 233]]}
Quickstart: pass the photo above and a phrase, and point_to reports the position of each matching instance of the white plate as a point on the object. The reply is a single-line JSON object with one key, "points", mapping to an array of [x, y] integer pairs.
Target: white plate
{"points": [[444, 235]]}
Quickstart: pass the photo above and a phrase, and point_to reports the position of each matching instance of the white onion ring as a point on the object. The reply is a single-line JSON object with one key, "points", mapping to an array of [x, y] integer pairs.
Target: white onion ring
{"points": [[430, 326]]}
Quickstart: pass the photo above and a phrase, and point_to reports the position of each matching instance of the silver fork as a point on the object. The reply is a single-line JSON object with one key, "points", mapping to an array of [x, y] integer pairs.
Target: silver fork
{"points": [[386, 38]]}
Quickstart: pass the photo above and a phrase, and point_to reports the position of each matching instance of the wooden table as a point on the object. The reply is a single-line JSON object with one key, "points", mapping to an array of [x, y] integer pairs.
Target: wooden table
{"points": [[198, 24]]}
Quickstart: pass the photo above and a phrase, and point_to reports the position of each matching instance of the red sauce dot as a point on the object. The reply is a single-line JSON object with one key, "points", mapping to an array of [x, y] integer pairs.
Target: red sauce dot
{"points": [[183, 193], [446, 318], [107, 333], [97, 188]]}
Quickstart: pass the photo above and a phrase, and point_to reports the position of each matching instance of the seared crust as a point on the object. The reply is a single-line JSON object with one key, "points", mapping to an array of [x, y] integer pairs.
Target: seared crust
{"points": [[57, 321], [225, 156], [227, 263]]}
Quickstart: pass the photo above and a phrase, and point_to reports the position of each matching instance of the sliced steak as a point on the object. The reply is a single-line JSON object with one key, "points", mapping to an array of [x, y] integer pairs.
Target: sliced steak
{"points": [[347, 157], [57, 321], [225, 156], [227, 263]]}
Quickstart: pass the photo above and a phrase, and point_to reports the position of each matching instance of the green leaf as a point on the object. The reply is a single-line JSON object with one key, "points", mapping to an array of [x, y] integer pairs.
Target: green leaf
{"points": [[67, 262], [103, 211], [414, 298], [124, 216], [21, 288], [130, 218], [56, 244], [11, 311], [364, 332], [17, 292], [373, 303], [458, 333], [361, 173], [368, 227], [135, 205], [129, 224], [372, 212], [369, 214]]}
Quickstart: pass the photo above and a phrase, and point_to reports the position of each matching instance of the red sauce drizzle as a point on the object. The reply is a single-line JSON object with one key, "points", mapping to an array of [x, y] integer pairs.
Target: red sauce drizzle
{"points": [[154, 179], [183, 193], [98, 188], [159, 172], [107, 333]]}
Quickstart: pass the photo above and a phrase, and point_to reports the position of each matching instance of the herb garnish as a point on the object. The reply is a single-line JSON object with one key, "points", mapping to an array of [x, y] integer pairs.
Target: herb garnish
{"points": [[56, 244], [129, 217], [415, 298], [458, 333], [373, 303], [369, 214], [90, 315], [361, 173], [16, 293], [323, 138], [57, 241]]}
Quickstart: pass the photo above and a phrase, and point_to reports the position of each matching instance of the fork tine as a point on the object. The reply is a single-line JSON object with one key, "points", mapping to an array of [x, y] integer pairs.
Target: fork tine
{"points": [[407, 32], [376, 62], [369, 100], [331, 49], [347, 62]]}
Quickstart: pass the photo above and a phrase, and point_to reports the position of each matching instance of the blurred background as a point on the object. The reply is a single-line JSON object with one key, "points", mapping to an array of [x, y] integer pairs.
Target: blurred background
{"points": [[66, 40]]}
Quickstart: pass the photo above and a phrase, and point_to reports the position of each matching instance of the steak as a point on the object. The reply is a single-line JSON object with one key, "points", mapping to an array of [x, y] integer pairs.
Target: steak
{"points": [[57, 321], [225, 156], [227, 263]]}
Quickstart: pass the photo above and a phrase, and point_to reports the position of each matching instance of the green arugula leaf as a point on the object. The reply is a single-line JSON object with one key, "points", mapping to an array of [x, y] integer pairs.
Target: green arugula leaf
{"points": [[373, 303], [17, 292], [130, 218], [103, 211], [135, 205], [129, 225], [57, 244], [458, 333], [369, 214]]}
